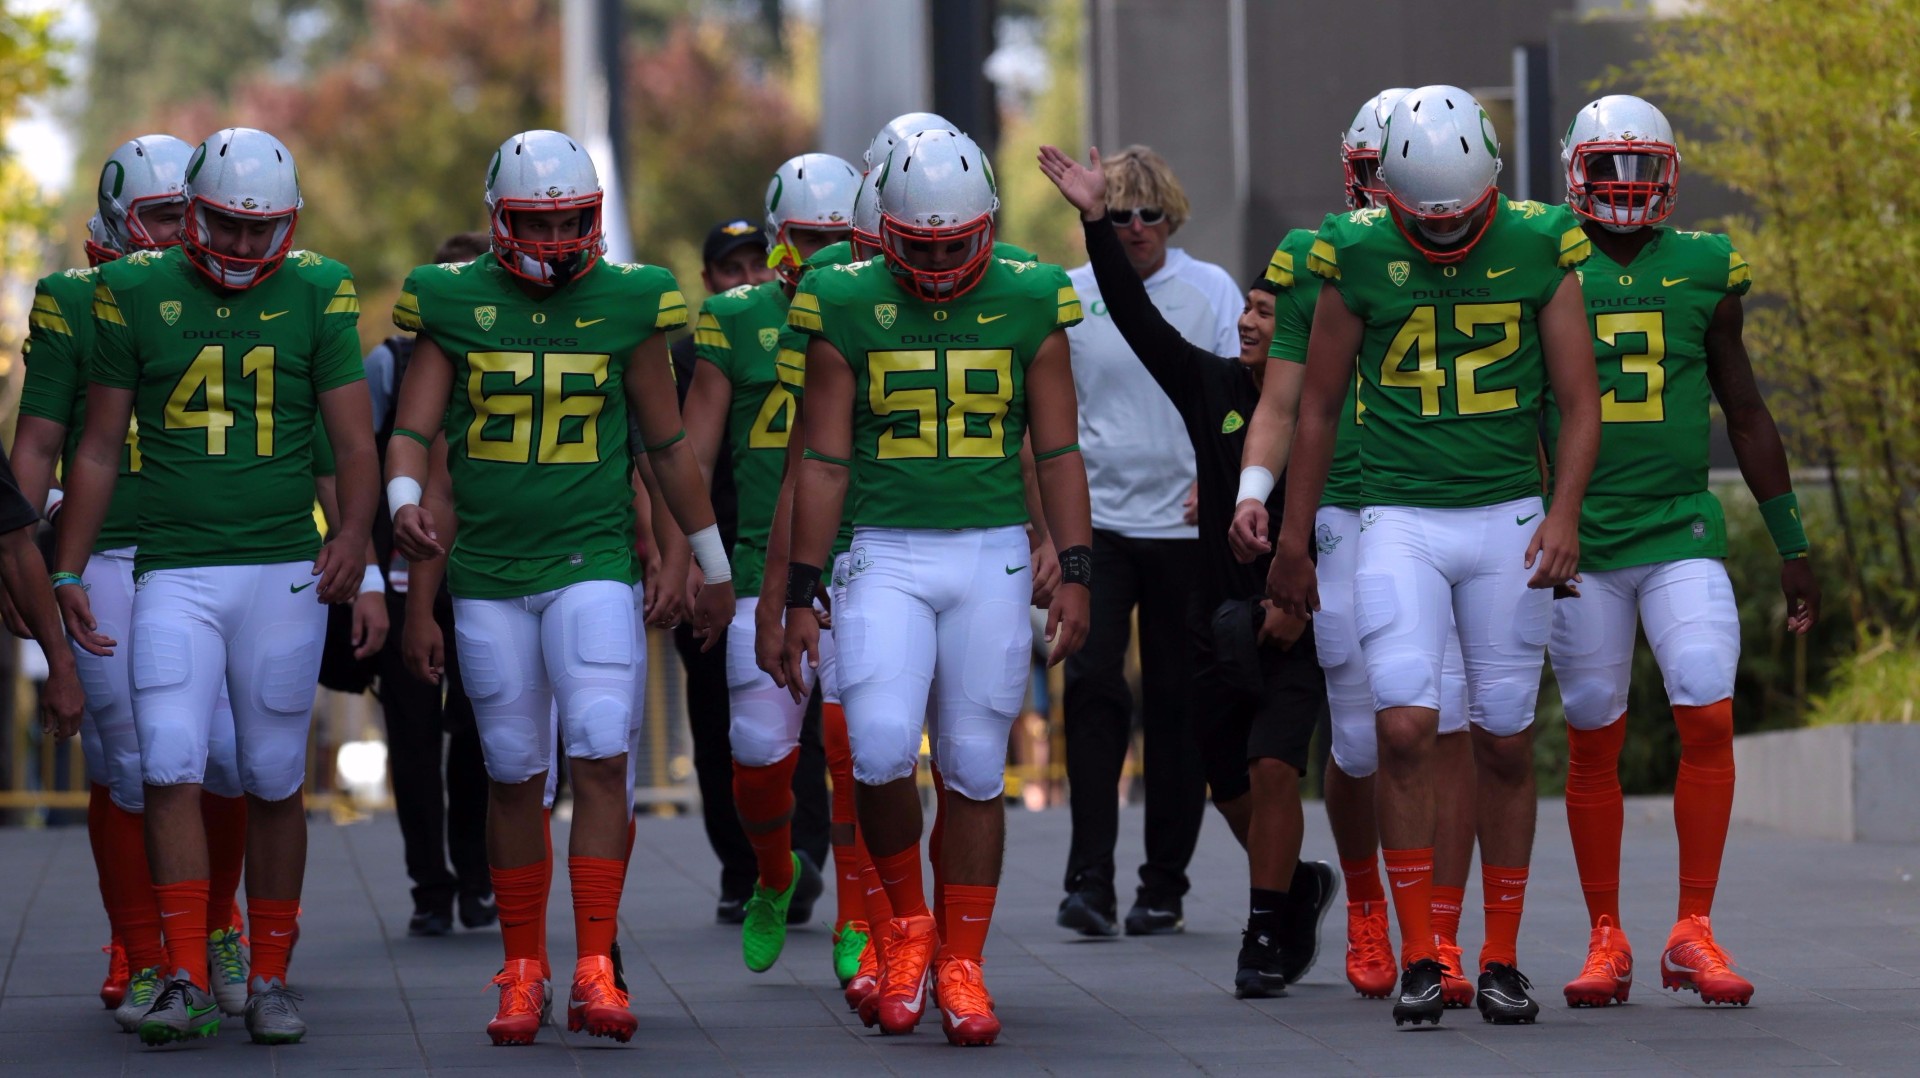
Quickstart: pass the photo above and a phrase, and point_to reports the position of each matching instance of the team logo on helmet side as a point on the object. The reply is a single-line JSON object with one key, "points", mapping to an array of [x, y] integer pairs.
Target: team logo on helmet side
{"points": [[486, 315], [1398, 272], [885, 314], [769, 337], [169, 311]]}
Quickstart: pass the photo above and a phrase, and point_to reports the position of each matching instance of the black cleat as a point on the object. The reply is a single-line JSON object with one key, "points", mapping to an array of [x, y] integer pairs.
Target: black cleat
{"points": [[1420, 999], [430, 921], [1505, 996], [805, 894], [1155, 917], [1263, 965], [1315, 886], [731, 910], [1089, 913], [477, 909]]}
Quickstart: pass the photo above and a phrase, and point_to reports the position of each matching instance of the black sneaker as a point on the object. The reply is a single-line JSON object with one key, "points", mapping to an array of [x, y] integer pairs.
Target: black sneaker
{"points": [[1088, 912], [1505, 997], [731, 910], [1315, 886], [805, 893], [1155, 917], [477, 909], [1263, 965], [1420, 999], [431, 918]]}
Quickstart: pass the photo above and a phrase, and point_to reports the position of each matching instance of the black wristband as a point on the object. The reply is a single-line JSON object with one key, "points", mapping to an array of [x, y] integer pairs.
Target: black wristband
{"points": [[802, 582], [1076, 566]]}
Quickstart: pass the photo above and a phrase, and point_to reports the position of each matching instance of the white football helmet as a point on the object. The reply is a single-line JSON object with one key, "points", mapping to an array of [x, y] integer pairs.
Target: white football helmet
{"points": [[1623, 170], [812, 191], [898, 130], [937, 189], [866, 218], [1438, 167], [1360, 149], [540, 172], [147, 171], [242, 173]]}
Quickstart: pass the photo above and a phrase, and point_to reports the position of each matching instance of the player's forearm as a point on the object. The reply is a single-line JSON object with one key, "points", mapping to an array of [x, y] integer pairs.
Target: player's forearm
{"points": [[678, 474], [1575, 452], [1312, 456], [1758, 451], [820, 493], [1270, 432], [25, 575], [1037, 531], [36, 449], [89, 490], [1067, 508], [357, 485]]}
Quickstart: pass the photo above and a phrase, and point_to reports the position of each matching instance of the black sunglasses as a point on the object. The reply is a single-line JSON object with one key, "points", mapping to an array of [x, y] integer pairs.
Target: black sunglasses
{"points": [[1148, 217]]}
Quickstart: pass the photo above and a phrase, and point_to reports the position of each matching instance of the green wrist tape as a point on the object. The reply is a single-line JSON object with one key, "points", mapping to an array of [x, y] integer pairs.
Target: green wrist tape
{"points": [[1782, 515]]}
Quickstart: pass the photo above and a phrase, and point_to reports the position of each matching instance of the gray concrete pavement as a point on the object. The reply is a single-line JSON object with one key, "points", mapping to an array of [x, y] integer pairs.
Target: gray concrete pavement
{"points": [[1829, 933]]}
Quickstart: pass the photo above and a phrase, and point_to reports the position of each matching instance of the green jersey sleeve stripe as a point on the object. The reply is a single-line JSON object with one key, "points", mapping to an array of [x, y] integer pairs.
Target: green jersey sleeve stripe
{"points": [[1574, 247], [51, 321], [1323, 260], [1738, 275], [673, 311], [105, 307], [1280, 268]]}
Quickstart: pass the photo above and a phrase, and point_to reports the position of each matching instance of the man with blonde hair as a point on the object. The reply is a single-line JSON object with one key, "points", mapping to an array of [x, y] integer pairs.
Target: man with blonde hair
{"points": [[1139, 472]]}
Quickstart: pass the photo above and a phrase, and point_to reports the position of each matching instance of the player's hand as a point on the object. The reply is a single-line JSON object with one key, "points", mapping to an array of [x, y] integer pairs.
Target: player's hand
{"points": [[16, 624], [1247, 535], [61, 699], [77, 611], [414, 534], [1802, 590], [1067, 621], [423, 647], [667, 602], [769, 637], [1554, 553], [340, 567], [1046, 575], [1084, 187], [1292, 585], [1279, 629], [370, 624], [712, 612], [799, 653]]}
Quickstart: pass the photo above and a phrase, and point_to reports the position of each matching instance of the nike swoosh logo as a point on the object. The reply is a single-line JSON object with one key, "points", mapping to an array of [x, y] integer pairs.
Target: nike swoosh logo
{"points": [[1492, 273], [175, 913], [266, 317], [1012, 569], [919, 996], [1405, 883], [301, 588], [590, 917], [1524, 519], [1667, 963], [875, 890], [276, 933], [1422, 997], [582, 323], [965, 917], [1508, 898], [985, 318], [1670, 282]]}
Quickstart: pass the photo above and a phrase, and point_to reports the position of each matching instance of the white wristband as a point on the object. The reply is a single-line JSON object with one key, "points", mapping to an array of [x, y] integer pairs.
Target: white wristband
{"points": [[54, 497], [1256, 483], [402, 491], [711, 553], [373, 580]]}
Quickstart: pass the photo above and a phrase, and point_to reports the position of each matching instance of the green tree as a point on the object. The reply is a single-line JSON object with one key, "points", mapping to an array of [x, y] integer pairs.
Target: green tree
{"points": [[1032, 213], [29, 55]]}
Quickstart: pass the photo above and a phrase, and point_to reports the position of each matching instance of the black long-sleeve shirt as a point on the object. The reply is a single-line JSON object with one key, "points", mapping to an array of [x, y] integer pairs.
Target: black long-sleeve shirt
{"points": [[1215, 396]]}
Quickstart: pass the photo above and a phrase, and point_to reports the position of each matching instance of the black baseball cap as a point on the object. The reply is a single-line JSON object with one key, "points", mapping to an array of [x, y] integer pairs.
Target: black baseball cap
{"points": [[728, 236]]}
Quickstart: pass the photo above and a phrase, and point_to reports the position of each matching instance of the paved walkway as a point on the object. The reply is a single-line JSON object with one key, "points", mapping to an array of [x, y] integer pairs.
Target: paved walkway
{"points": [[1829, 933]]}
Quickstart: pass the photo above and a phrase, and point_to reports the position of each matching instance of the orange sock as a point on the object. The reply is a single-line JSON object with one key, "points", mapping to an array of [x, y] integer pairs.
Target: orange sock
{"points": [[131, 907], [1595, 812], [969, 913], [183, 918], [849, 859], [936, 839], [1412, 874], [225, 820], [275, 922], [1363, 879], [1446, 911], [764, 797], [520, 894], [1702, 801], [597, 882], [878, 909], [900, 876], [1505, 892]]}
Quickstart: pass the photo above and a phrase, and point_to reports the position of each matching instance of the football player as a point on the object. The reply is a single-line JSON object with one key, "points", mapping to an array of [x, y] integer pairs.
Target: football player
{"points": [[529, 360], [737, 394], [232, 350], [1461, 307], [923, 370], [1371, 967], [1666, 316]]}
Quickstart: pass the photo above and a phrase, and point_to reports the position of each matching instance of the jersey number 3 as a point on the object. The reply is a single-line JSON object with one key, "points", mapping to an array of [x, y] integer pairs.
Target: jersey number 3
{"points": [[1650, 364]]}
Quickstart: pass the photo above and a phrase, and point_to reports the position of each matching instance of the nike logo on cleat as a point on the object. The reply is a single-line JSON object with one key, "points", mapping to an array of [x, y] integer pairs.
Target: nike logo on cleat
{"points": [[1667, 963]]}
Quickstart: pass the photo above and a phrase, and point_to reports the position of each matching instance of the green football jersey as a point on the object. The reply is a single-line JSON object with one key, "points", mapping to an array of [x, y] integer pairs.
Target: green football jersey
{"points": [[1296, 294], [1451, 370], [537, 423], [226, 388], [1648, 499], [939, 388], [738, 331], [58, 350]]}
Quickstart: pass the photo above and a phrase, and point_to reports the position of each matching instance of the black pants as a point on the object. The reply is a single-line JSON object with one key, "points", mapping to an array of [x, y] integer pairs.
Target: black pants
{"points": [[708, 716], [1156, 575], [1251, 702], [442, 810]]}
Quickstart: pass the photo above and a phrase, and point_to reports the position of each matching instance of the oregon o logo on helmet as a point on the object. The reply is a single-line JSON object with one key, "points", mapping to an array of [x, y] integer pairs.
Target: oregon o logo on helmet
{"points": [[1487, 135], [119, 178]]}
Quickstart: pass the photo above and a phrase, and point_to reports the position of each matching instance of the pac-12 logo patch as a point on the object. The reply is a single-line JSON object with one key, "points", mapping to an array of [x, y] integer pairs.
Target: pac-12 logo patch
{"points": [[1326, 539], [1397, 272], [886, 314], [170, 311], [486, 315], [769, 337]]}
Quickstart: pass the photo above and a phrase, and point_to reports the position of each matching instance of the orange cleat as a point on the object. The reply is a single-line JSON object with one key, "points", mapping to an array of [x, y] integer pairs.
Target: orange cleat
{"points": [[902, 996], [1608, 975], [1371, 967], [966, 1007], [1455, 989], [523, 1003], [113, 990], [597, 1005], [1693, 961], [866, 980]]}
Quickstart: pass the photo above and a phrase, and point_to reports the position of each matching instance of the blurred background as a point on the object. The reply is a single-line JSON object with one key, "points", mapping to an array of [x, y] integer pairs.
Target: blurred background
{"points": [[1797, 123]]}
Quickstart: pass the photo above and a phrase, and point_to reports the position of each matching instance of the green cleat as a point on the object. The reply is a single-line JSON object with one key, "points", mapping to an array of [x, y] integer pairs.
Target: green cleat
{"points": [[848, 944], [764, 932], [183, 1011]]}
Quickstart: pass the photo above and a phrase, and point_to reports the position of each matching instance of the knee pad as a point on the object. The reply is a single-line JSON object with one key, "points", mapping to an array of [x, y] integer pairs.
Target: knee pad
{"points": [[1502, 700], [973, 757], [273, 758], [173, 746], [1355, 740], [1399, 669], [595, 721], [1703, 673], [1590, 697], [886, 744], [765, 723]]}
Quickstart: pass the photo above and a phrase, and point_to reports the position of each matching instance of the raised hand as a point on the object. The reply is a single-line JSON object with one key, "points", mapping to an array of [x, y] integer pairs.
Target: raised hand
{"points": [[1085, 187]]}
